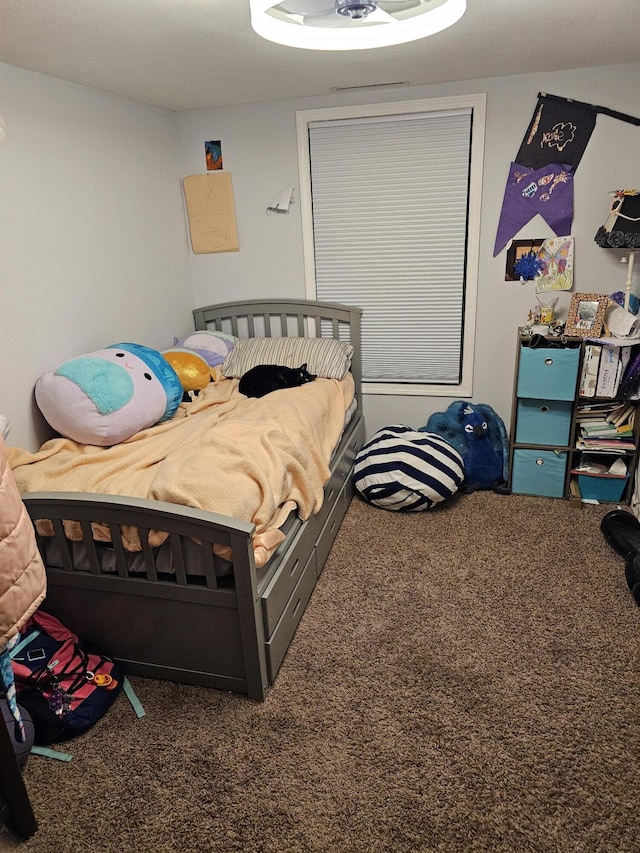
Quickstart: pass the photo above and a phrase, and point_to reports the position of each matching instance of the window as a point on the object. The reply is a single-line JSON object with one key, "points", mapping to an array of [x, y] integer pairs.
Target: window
{"points": [[390, 197]]}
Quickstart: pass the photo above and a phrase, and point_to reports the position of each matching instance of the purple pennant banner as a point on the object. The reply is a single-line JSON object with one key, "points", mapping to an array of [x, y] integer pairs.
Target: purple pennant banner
{"points": [[547, 191]]}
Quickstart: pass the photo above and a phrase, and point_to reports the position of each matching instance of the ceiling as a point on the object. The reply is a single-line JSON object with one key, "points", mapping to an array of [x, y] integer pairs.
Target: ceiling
{"points": [[186, 54]]}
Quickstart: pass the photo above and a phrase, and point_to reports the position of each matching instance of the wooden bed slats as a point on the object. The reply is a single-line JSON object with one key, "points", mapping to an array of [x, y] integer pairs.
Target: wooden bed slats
{"points": [[65, 545], [267, 325], [272, 318], [178, 559], [111, 559], [147, 551], [209, 560], [90, 545], [121, 560]]}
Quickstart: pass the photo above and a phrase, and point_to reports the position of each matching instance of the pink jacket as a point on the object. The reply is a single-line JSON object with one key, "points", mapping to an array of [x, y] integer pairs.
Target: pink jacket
{"points": [[23, 581]]}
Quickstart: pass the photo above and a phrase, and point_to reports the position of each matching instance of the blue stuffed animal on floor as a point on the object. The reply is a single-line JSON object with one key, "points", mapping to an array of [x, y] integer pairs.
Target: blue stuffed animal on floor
{"points": [[482, 463], [479, 435]]}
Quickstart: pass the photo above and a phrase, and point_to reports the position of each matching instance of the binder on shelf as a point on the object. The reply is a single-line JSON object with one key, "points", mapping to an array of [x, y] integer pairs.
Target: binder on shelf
{"points": [[590, 364], [608, 372]]}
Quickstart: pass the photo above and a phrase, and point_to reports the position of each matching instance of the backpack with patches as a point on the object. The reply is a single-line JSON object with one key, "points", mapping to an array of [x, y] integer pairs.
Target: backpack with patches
{"points": [[65, 683]]}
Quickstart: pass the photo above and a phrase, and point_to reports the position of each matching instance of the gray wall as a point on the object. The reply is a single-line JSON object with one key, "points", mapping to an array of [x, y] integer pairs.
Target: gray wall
{"points": [[259, 149], [93, 239], [93, 243]]}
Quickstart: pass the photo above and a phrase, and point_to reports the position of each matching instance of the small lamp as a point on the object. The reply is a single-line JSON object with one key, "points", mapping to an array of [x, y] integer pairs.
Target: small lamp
{"points": [[622, 231]]}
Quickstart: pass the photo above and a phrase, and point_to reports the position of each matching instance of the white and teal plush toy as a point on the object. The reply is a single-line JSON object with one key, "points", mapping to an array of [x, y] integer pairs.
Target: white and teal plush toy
{"points": [[106, 396]]}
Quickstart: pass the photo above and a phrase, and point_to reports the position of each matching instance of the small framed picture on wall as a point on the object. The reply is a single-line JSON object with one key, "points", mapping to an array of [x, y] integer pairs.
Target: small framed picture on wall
{"points": [[213, 155], [517, 250]]}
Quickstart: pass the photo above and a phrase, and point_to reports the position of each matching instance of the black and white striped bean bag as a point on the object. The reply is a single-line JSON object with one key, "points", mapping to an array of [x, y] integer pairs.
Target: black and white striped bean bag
{"points": [[407, 471]]}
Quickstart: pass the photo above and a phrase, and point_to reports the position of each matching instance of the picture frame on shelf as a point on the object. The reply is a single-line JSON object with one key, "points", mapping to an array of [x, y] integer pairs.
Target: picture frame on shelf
{"points": [[585, 318]]}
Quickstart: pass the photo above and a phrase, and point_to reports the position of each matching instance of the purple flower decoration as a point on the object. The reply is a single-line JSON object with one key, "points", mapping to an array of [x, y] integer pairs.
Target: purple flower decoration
{"points": [[619, 298]]}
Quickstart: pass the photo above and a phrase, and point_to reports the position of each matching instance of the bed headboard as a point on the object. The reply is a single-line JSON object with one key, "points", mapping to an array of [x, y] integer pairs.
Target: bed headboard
{"points": [[277, 318]]}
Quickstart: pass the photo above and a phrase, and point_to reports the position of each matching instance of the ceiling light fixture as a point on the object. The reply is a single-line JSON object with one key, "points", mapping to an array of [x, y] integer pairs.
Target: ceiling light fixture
{"points": [[352, 24]]}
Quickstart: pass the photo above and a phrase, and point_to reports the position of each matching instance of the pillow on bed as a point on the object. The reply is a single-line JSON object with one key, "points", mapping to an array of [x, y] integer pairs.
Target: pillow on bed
{"points": [[325, 357], [104, 397]]}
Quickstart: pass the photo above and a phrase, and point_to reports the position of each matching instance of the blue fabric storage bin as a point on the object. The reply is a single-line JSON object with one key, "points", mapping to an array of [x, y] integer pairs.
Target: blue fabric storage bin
{"points": [[548, 373], [601, 488], [539, 472], [543, 421]]}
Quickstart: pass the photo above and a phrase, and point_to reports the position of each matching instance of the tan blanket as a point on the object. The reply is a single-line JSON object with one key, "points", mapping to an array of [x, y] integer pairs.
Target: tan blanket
{"points": [[251, 459]]}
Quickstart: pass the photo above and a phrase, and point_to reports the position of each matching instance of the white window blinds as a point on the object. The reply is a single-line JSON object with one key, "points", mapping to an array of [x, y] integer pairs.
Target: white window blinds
{"points": [[390, 197]]}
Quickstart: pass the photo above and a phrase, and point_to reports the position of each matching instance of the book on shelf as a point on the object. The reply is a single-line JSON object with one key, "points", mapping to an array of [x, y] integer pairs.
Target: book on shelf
{"points": [[598, 405], [611, 444], [585, 416], [590, 364], [623, 413], [601, 429]]}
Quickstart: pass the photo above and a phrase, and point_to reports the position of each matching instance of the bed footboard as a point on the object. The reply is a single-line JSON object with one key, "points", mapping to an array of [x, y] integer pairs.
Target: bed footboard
{"points": [[188, 627], [195, 624]]}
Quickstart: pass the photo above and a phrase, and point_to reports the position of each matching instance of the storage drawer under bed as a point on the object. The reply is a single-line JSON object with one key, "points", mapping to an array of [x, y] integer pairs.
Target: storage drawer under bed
{"points": [[339, 475], [331, 525], [279, 589], [278, 643], [281, 616], [280, 584]]}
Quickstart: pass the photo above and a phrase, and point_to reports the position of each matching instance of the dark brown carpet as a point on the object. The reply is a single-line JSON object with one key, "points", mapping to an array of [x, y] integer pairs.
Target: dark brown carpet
{"points": [[464, 679]]}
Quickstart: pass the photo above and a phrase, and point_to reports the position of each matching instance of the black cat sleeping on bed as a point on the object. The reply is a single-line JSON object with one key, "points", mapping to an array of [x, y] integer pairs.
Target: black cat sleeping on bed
{"points": [[264, 378]]}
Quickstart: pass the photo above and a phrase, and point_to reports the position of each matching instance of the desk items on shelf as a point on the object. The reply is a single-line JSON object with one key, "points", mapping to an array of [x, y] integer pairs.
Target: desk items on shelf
{"points": [[572, 435]]}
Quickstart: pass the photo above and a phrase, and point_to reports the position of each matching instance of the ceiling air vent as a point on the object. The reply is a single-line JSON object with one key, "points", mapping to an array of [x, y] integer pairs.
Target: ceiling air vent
{"points": [[369, 86]]}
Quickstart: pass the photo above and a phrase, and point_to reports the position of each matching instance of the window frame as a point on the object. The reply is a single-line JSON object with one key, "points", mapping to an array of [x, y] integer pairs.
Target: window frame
{"points": [[477, 103]]}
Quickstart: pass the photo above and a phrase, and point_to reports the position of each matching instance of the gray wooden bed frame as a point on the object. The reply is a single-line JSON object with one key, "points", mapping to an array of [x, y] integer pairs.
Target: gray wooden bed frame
{"points": [[229, 633]]}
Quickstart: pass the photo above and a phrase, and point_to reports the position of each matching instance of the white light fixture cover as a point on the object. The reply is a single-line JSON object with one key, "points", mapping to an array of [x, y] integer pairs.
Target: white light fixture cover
{"points": [[282, 21]]}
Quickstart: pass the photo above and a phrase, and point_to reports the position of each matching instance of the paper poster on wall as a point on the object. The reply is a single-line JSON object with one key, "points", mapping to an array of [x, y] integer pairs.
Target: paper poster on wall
{"points": [[213, 155], [211, 211], [556, 271]]}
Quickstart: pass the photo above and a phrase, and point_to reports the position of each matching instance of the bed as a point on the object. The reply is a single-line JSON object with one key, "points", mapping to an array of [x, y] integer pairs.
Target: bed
{"points": [[197, 609]]}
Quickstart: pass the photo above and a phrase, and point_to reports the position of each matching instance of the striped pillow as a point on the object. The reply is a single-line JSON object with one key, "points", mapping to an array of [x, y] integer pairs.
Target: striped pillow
{"points": [[407, 471], [325, 357]]}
